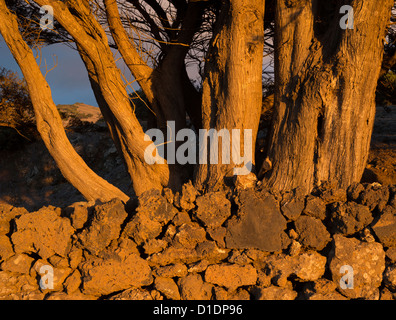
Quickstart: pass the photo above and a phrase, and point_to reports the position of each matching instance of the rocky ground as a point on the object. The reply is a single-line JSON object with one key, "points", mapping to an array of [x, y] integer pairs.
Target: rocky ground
{"points": [[247, 243], [244, 244]]}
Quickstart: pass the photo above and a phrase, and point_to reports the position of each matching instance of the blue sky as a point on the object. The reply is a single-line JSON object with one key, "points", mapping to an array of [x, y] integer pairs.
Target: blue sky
{"points": [[68, 81]]}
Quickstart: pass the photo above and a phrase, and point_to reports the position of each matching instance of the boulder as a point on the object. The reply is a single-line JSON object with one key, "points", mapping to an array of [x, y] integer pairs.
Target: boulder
{"points": [[43, 232], [104, 226], [259, 223]]}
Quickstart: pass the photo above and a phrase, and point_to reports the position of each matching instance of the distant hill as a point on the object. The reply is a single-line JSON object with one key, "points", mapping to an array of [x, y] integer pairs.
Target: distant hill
{"points": [[82, 111]]}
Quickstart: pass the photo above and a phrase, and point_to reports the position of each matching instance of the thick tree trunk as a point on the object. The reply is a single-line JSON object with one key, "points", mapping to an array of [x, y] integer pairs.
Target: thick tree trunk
{"points": [[325, 88], [92, 39], [232, 88], [167, 87], [49, 123]]}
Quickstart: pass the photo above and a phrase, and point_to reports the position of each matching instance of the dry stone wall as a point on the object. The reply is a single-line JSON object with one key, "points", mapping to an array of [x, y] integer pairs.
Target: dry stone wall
{"points": [[242, 244]]}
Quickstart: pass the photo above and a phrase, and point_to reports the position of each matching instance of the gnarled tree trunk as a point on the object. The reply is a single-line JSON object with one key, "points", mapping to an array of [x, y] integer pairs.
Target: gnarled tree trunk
{"points": [[49, 123], [325, 88], [232, 88]]}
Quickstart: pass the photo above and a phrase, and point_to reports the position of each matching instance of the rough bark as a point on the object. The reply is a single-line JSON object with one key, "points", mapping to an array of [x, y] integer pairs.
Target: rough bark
{"points": [[168, 90], [232, 88], [90, 36], [167, 87], [325, 88], [49, 123]]}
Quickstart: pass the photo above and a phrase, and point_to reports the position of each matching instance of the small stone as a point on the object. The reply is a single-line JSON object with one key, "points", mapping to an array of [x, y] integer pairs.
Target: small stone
{"points": [[78, 213], [193, 288], [349, 218], [171, 271], [210, 251], [329, 194], [152, 246], [104, 227], [152, 213], [181, 218], [274, 293], [238, 257], [312, 233], [188, 235], [75, 257], [391, 254], [295, 248], [385, 227], [315, 207], [231, 276], [19, 263], [188, 196], [390, 277], [199, 266], [245, 181], [310, 266], [6, 250], [132, 294], [292, 204], [374, 196], [167, 287], [218, 235], [238, 294], [354, 191], [72, 282], [173, 255], [213, 209]]}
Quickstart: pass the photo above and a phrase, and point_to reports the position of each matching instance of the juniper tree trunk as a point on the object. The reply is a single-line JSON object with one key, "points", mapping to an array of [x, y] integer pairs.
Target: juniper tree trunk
{"points": [[49, 123], [232, 87], [79, 21], [326, 79]]}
